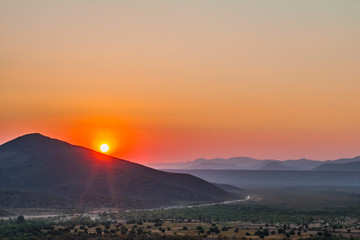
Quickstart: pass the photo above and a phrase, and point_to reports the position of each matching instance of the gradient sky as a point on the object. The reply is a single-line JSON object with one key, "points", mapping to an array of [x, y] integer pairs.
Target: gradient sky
{"points": [[165, 81]]}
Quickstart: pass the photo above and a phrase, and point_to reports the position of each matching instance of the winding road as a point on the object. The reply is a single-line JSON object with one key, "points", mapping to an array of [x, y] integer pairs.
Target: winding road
{"points": [[248, 197]]}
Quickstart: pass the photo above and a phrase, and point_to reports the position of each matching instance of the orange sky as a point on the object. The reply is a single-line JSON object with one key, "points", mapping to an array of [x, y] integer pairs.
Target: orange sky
{"points": [[170, 81]]}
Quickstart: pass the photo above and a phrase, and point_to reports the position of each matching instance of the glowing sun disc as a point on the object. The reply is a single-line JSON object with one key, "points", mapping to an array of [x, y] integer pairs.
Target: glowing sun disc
{"points": [[104, 147]]}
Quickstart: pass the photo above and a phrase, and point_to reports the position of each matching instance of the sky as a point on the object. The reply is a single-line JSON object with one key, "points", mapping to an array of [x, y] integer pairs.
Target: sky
{"points": [[168, 81]]}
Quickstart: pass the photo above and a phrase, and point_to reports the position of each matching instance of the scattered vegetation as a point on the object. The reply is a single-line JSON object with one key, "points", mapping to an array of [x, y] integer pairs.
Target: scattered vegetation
{"points": [[255, 219], [85, 228]]}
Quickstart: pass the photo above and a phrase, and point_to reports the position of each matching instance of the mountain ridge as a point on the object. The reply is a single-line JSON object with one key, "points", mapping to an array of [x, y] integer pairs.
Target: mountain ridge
{"points": [[246, 163]]}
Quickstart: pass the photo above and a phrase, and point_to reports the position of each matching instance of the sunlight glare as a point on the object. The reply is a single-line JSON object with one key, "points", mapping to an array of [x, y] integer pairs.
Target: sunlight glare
{"points": [[104, 147]]}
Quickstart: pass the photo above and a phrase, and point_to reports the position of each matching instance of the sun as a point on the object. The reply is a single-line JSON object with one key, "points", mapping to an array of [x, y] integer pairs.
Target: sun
{"points": [[104, 147]]}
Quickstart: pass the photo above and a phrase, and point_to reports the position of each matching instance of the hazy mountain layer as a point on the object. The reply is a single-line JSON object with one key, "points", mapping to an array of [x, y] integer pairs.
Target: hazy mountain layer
{"points": [[270, 178], [246, 163], [275, 166]]}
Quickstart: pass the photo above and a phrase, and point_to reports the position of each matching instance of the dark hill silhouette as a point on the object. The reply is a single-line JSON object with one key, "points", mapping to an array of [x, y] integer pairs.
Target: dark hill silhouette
{"points": [[80, 177], [349, 166]]}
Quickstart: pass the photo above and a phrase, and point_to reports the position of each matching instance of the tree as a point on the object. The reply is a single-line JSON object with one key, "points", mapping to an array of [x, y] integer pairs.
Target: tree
{"points": [[224, 228], [98, 231], [20, 219], [200, 229], [123, 230]]}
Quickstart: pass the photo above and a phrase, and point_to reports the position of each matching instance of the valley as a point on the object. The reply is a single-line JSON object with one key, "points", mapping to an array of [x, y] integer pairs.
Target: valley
{"points": [[71, 192]]}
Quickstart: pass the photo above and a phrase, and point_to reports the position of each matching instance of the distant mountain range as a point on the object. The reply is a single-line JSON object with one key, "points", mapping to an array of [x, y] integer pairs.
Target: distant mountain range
{"points": [[38, 171], [246, 163], [248, 179]]}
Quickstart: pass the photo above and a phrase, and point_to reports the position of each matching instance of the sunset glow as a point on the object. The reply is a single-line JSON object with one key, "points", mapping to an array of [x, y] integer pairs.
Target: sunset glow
{"points": [[167, 81]]}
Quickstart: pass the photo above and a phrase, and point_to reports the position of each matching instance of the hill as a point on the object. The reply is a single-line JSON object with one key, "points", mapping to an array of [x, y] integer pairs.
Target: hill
{"points": [[350, 166], [53, 171]]}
